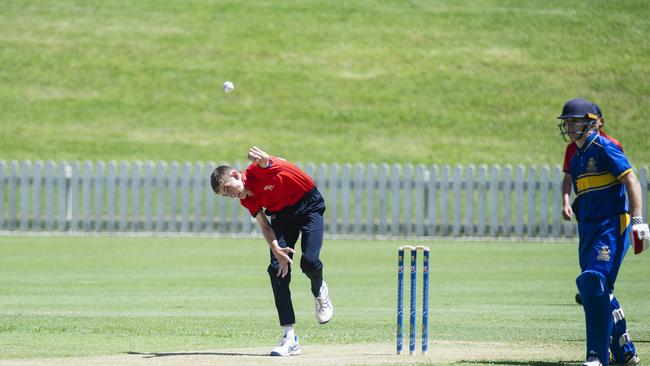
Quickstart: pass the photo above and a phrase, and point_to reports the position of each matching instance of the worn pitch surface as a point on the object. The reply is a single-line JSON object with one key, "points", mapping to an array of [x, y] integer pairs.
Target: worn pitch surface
{"points": [[351, 354]]}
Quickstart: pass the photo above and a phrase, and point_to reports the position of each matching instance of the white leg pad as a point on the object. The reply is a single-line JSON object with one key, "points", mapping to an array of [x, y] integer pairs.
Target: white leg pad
{"points": [[618, 315], [624, 339]]}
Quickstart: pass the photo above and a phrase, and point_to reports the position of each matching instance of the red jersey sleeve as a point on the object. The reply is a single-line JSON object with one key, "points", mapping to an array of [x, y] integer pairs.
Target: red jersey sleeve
{"points": [[568, 154], [610, 138], [251, 205]]}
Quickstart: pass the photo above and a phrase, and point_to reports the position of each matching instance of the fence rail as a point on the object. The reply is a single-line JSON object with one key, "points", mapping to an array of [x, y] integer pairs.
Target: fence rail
{"points": [[362, 200]]}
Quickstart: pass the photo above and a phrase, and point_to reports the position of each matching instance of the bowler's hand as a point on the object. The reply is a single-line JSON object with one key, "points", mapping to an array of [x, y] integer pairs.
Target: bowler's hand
{"points": [[259, 157], [567, 212], [282, 255]]}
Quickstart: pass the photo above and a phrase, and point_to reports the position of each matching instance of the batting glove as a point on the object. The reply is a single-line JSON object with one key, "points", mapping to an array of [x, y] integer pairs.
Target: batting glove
{"points": [[641, 235]]}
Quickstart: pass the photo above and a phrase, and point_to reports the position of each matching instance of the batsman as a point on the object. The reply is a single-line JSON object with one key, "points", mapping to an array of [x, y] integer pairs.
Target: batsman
{"points": [[608, 203]]}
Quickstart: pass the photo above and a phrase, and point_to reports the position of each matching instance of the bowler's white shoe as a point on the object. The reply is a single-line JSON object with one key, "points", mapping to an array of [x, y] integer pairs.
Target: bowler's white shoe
{"points": [[324, 308], [592, 361], [288, 347]]}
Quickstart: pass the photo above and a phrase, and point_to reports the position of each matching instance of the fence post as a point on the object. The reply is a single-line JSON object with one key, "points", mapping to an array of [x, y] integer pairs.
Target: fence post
{"points": [[64, 194], [161, 196], [420, 202], [199, 187], [173, 198], [359, 186], [519, 201], [148, 185], [74, 196], [407, 198], [507, 200], [345, 198], [556, 197], [458, 201], [100, 183], [432, 190], [494, 201], [86, 202], [209, 199], [333, 201], [124, 203], [543, 207], [110, 187], [25, 194], [444, 200], [371, 173], [136, 195], [532, 193], [482, 200], [38, 182], [50, 183], [395, 199], [185, 200], [12, 178], [383, 199], [468, 230]]}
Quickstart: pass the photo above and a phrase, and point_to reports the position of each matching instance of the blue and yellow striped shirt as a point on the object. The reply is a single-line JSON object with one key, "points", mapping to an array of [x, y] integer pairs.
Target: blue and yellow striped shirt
{"points": [[596, 170]]}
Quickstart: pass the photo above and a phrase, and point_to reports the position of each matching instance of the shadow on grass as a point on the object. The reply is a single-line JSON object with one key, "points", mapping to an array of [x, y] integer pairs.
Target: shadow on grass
{"points": [[171, 354], [526, 363]]}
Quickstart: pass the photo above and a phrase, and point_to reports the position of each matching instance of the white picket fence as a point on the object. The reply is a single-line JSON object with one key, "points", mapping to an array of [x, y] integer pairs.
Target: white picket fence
{"points": [[387, 201]]}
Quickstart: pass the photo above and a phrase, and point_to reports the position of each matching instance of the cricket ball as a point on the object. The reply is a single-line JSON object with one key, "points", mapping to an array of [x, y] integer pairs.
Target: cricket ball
{"points": [[228, 86]]}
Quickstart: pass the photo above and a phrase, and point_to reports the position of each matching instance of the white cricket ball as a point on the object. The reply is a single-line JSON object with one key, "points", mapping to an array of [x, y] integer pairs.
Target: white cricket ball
{"points": [[228, 86]]}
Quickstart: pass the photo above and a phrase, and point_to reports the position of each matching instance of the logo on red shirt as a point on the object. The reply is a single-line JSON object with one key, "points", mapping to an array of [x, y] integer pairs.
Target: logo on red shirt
{"points": [[269, 187]]}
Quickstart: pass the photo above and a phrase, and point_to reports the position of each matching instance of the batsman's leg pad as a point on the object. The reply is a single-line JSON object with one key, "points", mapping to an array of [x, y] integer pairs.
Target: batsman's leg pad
{"points": [[594, 290], [621, 343]]}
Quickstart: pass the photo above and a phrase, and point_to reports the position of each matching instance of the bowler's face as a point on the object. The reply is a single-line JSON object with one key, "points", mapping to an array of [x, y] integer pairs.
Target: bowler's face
{"points": [[233, 187]]}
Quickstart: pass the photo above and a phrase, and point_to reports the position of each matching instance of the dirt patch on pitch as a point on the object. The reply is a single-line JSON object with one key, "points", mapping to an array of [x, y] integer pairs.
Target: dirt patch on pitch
{"points": [[355, 354]]}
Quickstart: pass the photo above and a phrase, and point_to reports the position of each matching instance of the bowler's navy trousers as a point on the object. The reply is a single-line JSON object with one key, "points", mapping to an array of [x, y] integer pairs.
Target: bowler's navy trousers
{"points": [[305, 219]]}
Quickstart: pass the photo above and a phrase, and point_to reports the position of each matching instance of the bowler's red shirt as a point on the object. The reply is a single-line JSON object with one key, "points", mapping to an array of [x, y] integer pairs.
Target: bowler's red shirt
{"points": [[571, 150], [275, 187]]}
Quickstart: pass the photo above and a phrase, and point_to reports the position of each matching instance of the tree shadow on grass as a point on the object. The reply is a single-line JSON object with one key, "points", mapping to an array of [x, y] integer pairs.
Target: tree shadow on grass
{"points": [[527, 363], [171, 354]]}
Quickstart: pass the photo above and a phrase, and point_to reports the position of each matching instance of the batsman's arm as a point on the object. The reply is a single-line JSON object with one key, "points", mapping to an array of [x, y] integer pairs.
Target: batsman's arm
{"points": [[567, 211], [640, 231], [633, 193], [282, 254]]}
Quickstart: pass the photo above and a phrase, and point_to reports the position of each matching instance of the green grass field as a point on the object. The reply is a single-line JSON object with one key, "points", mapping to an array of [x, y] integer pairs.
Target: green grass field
{"points": [[63, 296], [324, 81], [468, 81]]}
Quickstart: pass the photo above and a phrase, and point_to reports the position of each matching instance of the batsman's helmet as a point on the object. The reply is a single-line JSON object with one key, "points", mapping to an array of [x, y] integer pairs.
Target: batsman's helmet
{"points": [[579, 109], [599, 113]]}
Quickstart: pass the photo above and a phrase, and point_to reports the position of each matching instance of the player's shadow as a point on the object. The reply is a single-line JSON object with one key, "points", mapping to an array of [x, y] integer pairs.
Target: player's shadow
{"points": [[527, 363], [171, 354]]}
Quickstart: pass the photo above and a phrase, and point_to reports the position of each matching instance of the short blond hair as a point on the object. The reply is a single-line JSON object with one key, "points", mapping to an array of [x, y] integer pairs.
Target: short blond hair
{"points": [[219, 176]]}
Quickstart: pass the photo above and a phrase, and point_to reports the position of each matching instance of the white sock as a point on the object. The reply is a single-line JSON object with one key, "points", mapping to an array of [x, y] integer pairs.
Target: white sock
{"points": [[288, 331]]}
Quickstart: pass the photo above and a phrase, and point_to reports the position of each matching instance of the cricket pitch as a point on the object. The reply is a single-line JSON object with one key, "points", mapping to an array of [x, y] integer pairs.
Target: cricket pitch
{"points": [[440, 353]]}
